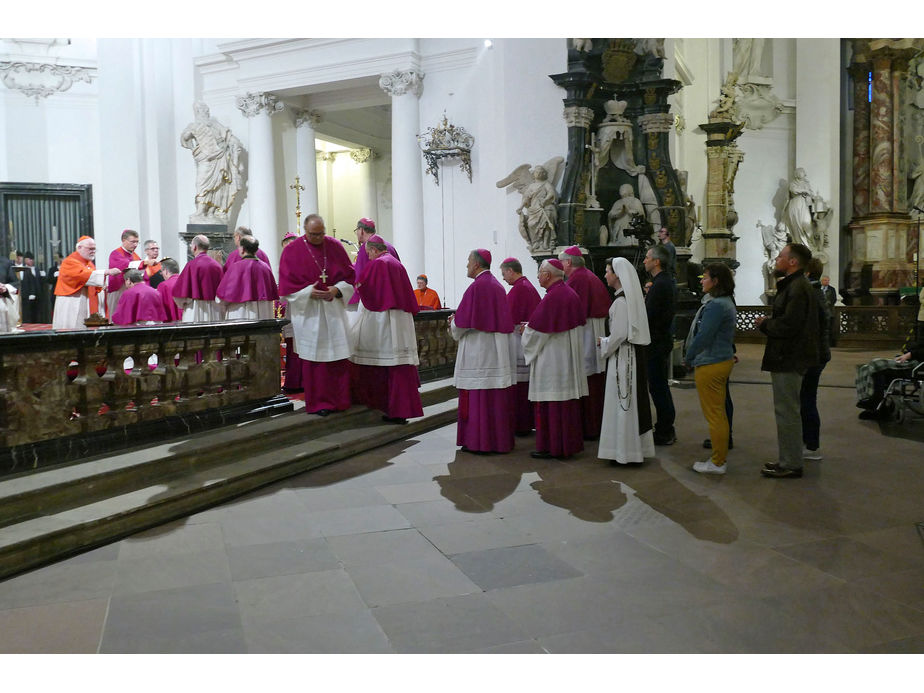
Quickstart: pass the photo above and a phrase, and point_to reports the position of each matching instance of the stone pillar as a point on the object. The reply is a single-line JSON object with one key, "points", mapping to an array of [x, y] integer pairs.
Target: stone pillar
{"points": [[364, 157], [306, 164], [722, 158], [261, 181], [881, 134], [884, 237], [899, 190], [571, 205], [407, 193], [860, 75]]}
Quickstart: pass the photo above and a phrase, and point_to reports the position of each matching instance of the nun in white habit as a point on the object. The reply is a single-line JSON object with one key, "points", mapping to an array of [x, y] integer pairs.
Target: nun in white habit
{"points": [[626, 436]]}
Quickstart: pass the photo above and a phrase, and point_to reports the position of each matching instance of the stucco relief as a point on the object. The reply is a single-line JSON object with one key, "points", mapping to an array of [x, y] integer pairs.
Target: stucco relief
{"points": [[40, 80]]}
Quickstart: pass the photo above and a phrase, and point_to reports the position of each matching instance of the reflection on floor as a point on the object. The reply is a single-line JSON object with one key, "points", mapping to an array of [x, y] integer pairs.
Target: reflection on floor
{"points": [[422, 548]]}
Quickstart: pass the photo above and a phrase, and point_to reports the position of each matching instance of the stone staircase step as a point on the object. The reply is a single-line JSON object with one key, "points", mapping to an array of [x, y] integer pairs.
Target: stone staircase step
{"points": [[29, 495], [81, 506]]}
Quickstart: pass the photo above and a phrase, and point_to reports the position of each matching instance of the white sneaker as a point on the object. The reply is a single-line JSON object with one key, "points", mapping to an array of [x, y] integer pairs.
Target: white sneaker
{"points": [[811, 454], [707, 467]]}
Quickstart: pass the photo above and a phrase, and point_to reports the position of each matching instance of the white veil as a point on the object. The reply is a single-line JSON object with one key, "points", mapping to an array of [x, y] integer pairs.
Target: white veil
{"points": [[635, 301]]}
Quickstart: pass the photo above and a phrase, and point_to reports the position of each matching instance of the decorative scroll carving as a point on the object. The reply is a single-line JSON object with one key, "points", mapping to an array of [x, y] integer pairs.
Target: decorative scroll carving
{"points": [[40, 80], [578, 116], [656, 122], [304, 118], [756, 105], [399, 82], [362, 156], [252, 104]]}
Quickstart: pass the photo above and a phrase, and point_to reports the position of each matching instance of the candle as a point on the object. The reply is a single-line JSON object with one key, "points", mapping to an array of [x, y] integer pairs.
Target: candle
{"points": [[54, 233]]}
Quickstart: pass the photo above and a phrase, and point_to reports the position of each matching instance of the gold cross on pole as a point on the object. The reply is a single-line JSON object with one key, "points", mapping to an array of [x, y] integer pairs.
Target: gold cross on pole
{"points": [[298, 202]]}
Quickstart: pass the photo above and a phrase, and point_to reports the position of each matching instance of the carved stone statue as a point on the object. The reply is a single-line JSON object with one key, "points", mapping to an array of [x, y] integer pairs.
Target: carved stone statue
{"points": [[614, 140], [620, 217], [917, 192], [747, 55], [691, 221], [219, 166], [725, 110], [774, 240], [538, 210], [805, 215]]}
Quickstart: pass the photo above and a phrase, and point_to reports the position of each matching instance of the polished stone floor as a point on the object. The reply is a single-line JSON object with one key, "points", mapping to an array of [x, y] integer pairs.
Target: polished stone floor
{"points": [[421, 548]]}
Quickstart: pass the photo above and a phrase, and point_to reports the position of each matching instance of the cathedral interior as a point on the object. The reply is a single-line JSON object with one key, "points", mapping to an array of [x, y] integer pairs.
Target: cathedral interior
{"points": [[737, 146]]}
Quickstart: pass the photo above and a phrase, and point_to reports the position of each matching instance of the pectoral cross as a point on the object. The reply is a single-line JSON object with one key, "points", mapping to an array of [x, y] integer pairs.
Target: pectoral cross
{"points": [[324, 276]]}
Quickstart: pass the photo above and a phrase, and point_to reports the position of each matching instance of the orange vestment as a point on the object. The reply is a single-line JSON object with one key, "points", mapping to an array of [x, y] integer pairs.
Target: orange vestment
{"points": [[72, 279], [428, 297]]}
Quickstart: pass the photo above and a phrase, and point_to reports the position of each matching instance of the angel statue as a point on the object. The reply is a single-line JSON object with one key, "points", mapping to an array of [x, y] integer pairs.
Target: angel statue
{"points": [[538, 210]]}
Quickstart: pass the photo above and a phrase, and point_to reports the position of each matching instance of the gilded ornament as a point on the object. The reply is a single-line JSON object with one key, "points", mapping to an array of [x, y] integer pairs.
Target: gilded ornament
{"points": [[650, 96], [618, 60]]}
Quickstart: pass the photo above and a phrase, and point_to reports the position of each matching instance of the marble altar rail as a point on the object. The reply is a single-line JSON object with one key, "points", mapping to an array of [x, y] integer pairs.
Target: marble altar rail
{"points": [[72, 394], [69, 394]]}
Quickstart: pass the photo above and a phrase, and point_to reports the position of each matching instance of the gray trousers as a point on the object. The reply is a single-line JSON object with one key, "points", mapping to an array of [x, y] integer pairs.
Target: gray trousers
{"points": [[786, 408]]}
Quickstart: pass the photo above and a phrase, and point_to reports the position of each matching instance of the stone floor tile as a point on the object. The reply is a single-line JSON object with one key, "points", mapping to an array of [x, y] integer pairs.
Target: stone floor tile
{"points": [[847, 558], [514, 565], [72, 582], [349, 632], [415, 580], [388, 546], [162, 572], [292, 596], [475, 534], [137, 622], [173, 538], [65, 628], [374, 518], [280, 558], [455, 624]]}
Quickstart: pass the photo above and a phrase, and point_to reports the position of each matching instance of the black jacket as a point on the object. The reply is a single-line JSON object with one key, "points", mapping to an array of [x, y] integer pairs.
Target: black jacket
{"points": [[793, 327], [659, 305]]}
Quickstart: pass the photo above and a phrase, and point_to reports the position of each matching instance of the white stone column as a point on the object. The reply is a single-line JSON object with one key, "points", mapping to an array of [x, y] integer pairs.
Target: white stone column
{"points": [[261, 182], [364, 157], [407, 194], [306, 164]]}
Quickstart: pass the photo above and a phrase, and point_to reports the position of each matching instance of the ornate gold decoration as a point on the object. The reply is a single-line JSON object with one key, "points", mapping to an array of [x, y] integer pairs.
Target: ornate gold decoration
{"points": [[661, 179], [654, 161], [618, 60], [298, 187], [649, 96]]}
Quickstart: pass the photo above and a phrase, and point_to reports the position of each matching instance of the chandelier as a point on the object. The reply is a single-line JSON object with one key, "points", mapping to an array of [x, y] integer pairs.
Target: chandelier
{"points": [[446, 141]]}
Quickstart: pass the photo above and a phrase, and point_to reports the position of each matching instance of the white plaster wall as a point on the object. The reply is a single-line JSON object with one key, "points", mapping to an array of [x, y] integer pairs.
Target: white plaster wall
{"points": [[505, 99]]}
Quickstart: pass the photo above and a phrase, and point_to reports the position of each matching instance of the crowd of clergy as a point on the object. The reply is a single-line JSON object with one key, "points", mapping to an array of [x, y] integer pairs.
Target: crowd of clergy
{"points": [[524, 363]]}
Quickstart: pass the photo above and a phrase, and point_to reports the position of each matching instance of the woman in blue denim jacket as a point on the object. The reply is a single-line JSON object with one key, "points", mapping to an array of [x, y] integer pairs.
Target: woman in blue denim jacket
{"points": [[710, 349]]}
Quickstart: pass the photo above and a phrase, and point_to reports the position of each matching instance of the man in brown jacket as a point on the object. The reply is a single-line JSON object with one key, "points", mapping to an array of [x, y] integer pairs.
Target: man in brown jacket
{"points": [[792, 347]]}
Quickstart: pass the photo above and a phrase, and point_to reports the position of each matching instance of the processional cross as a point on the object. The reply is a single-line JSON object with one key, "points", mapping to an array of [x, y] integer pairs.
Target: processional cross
{"points": [[298, 203]]}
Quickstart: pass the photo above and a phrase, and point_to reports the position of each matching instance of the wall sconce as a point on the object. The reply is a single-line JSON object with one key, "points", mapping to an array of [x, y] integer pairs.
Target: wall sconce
{"points": [[446, 141]]}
